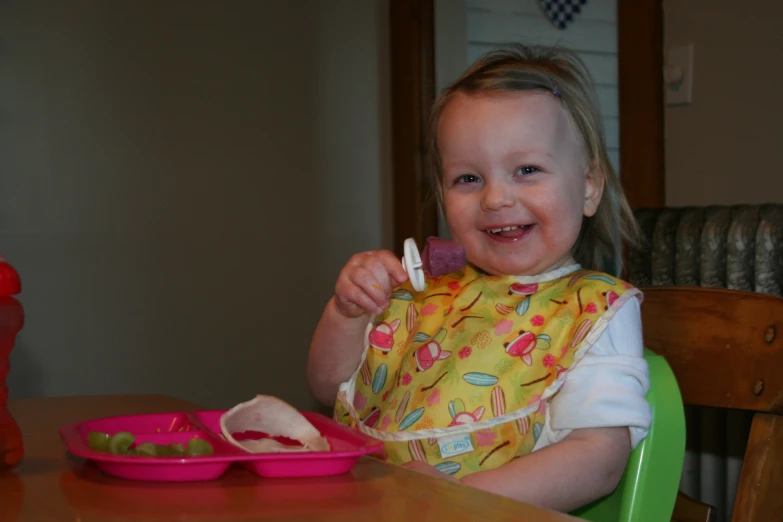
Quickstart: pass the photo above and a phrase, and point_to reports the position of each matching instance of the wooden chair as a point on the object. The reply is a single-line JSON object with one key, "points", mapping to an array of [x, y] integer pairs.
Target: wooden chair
{"points": [[726, 349]]}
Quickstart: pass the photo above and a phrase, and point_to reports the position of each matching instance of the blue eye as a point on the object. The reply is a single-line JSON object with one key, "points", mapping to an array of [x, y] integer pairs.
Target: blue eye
{"points": [[467, 178], [527, 170]]}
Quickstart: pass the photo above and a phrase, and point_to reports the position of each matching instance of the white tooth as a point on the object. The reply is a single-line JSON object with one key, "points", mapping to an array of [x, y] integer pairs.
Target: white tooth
{"points": [[495, 230]]}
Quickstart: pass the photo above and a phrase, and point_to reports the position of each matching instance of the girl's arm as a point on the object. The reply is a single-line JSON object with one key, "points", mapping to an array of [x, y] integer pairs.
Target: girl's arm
{"points": [[584, 466], [363, 288], [334, 352]]}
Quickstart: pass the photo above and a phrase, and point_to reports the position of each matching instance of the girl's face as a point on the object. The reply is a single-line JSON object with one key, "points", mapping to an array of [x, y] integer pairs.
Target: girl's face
{"points": [[516, 183]]}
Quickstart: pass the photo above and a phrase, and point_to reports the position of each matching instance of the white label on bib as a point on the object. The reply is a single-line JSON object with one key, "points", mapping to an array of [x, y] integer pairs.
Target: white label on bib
{"points": [[453, 445]]}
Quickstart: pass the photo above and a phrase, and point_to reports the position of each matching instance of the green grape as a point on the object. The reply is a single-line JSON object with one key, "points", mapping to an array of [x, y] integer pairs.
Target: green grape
{"points": [[121, 442], [177, 449], [199, 447], [163, 450], [148, 449], [98, 440]]}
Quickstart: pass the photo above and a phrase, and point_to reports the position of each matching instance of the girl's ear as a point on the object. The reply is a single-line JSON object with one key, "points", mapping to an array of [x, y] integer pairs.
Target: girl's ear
{"points": [[594, 188]]}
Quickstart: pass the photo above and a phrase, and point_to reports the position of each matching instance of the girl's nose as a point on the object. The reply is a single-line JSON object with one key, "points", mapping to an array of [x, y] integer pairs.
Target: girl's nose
{"points": [[495, 197]]}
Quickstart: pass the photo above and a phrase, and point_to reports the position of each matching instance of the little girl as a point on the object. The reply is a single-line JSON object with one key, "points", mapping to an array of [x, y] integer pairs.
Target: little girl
{"points": [[521, 374]]}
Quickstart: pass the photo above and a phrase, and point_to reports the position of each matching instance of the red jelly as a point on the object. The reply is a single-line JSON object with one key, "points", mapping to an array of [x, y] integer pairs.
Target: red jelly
{"points": [[257, 435]]}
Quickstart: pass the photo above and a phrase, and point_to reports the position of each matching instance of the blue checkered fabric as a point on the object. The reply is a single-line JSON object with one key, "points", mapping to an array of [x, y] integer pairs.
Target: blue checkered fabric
{"points": [[562, 12]]}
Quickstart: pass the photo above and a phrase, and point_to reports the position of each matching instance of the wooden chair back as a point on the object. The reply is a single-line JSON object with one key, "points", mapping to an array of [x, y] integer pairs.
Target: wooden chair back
{"points": [[726, 349]]}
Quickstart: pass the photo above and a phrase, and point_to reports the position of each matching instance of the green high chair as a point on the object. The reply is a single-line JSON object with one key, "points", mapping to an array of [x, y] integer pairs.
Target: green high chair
{"points": [[648, 489]]}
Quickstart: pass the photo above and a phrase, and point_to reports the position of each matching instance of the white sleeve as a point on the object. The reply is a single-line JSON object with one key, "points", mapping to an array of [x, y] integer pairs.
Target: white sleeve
{"points": [[607, 387]]}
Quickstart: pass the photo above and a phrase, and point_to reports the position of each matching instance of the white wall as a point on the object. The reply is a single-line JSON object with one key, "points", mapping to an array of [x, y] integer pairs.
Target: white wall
{"points": [[451, 41], [180, 183]]}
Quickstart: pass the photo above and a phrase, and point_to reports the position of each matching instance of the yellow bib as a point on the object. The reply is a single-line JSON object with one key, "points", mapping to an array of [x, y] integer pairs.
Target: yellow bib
{"points": [[458, 375]]}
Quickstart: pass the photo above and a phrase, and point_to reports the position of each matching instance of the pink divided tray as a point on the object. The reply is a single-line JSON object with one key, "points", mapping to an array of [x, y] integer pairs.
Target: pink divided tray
{"points": [[164, 428]]}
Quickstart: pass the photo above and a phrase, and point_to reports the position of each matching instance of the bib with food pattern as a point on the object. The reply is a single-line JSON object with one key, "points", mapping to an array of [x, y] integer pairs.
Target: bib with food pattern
{"points": [[459, 375]]}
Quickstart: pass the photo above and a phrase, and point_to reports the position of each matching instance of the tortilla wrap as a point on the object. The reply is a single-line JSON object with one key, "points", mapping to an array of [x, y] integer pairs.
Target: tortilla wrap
{"points": [[274, 417]]}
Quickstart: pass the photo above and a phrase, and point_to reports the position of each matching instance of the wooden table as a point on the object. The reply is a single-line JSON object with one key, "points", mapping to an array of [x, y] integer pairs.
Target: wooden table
{"points": [[50, 484]]}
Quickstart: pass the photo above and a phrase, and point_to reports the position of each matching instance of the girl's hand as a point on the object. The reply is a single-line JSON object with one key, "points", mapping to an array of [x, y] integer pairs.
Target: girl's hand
{"points": [[427, 469], [366, 282]]}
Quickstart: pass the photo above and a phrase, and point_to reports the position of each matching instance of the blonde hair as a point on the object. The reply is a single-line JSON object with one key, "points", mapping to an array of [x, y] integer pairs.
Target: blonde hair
{"points": [[525, 68]]}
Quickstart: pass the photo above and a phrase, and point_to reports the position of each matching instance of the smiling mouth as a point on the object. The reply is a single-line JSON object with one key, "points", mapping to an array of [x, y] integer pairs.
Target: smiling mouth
{"points": [[512, 228], [507, 229], [511, 232]]}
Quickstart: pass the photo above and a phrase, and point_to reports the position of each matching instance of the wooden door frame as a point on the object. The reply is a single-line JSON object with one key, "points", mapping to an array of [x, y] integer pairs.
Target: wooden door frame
{"points": [[412, 49], [641, 101], [640, 77]]}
